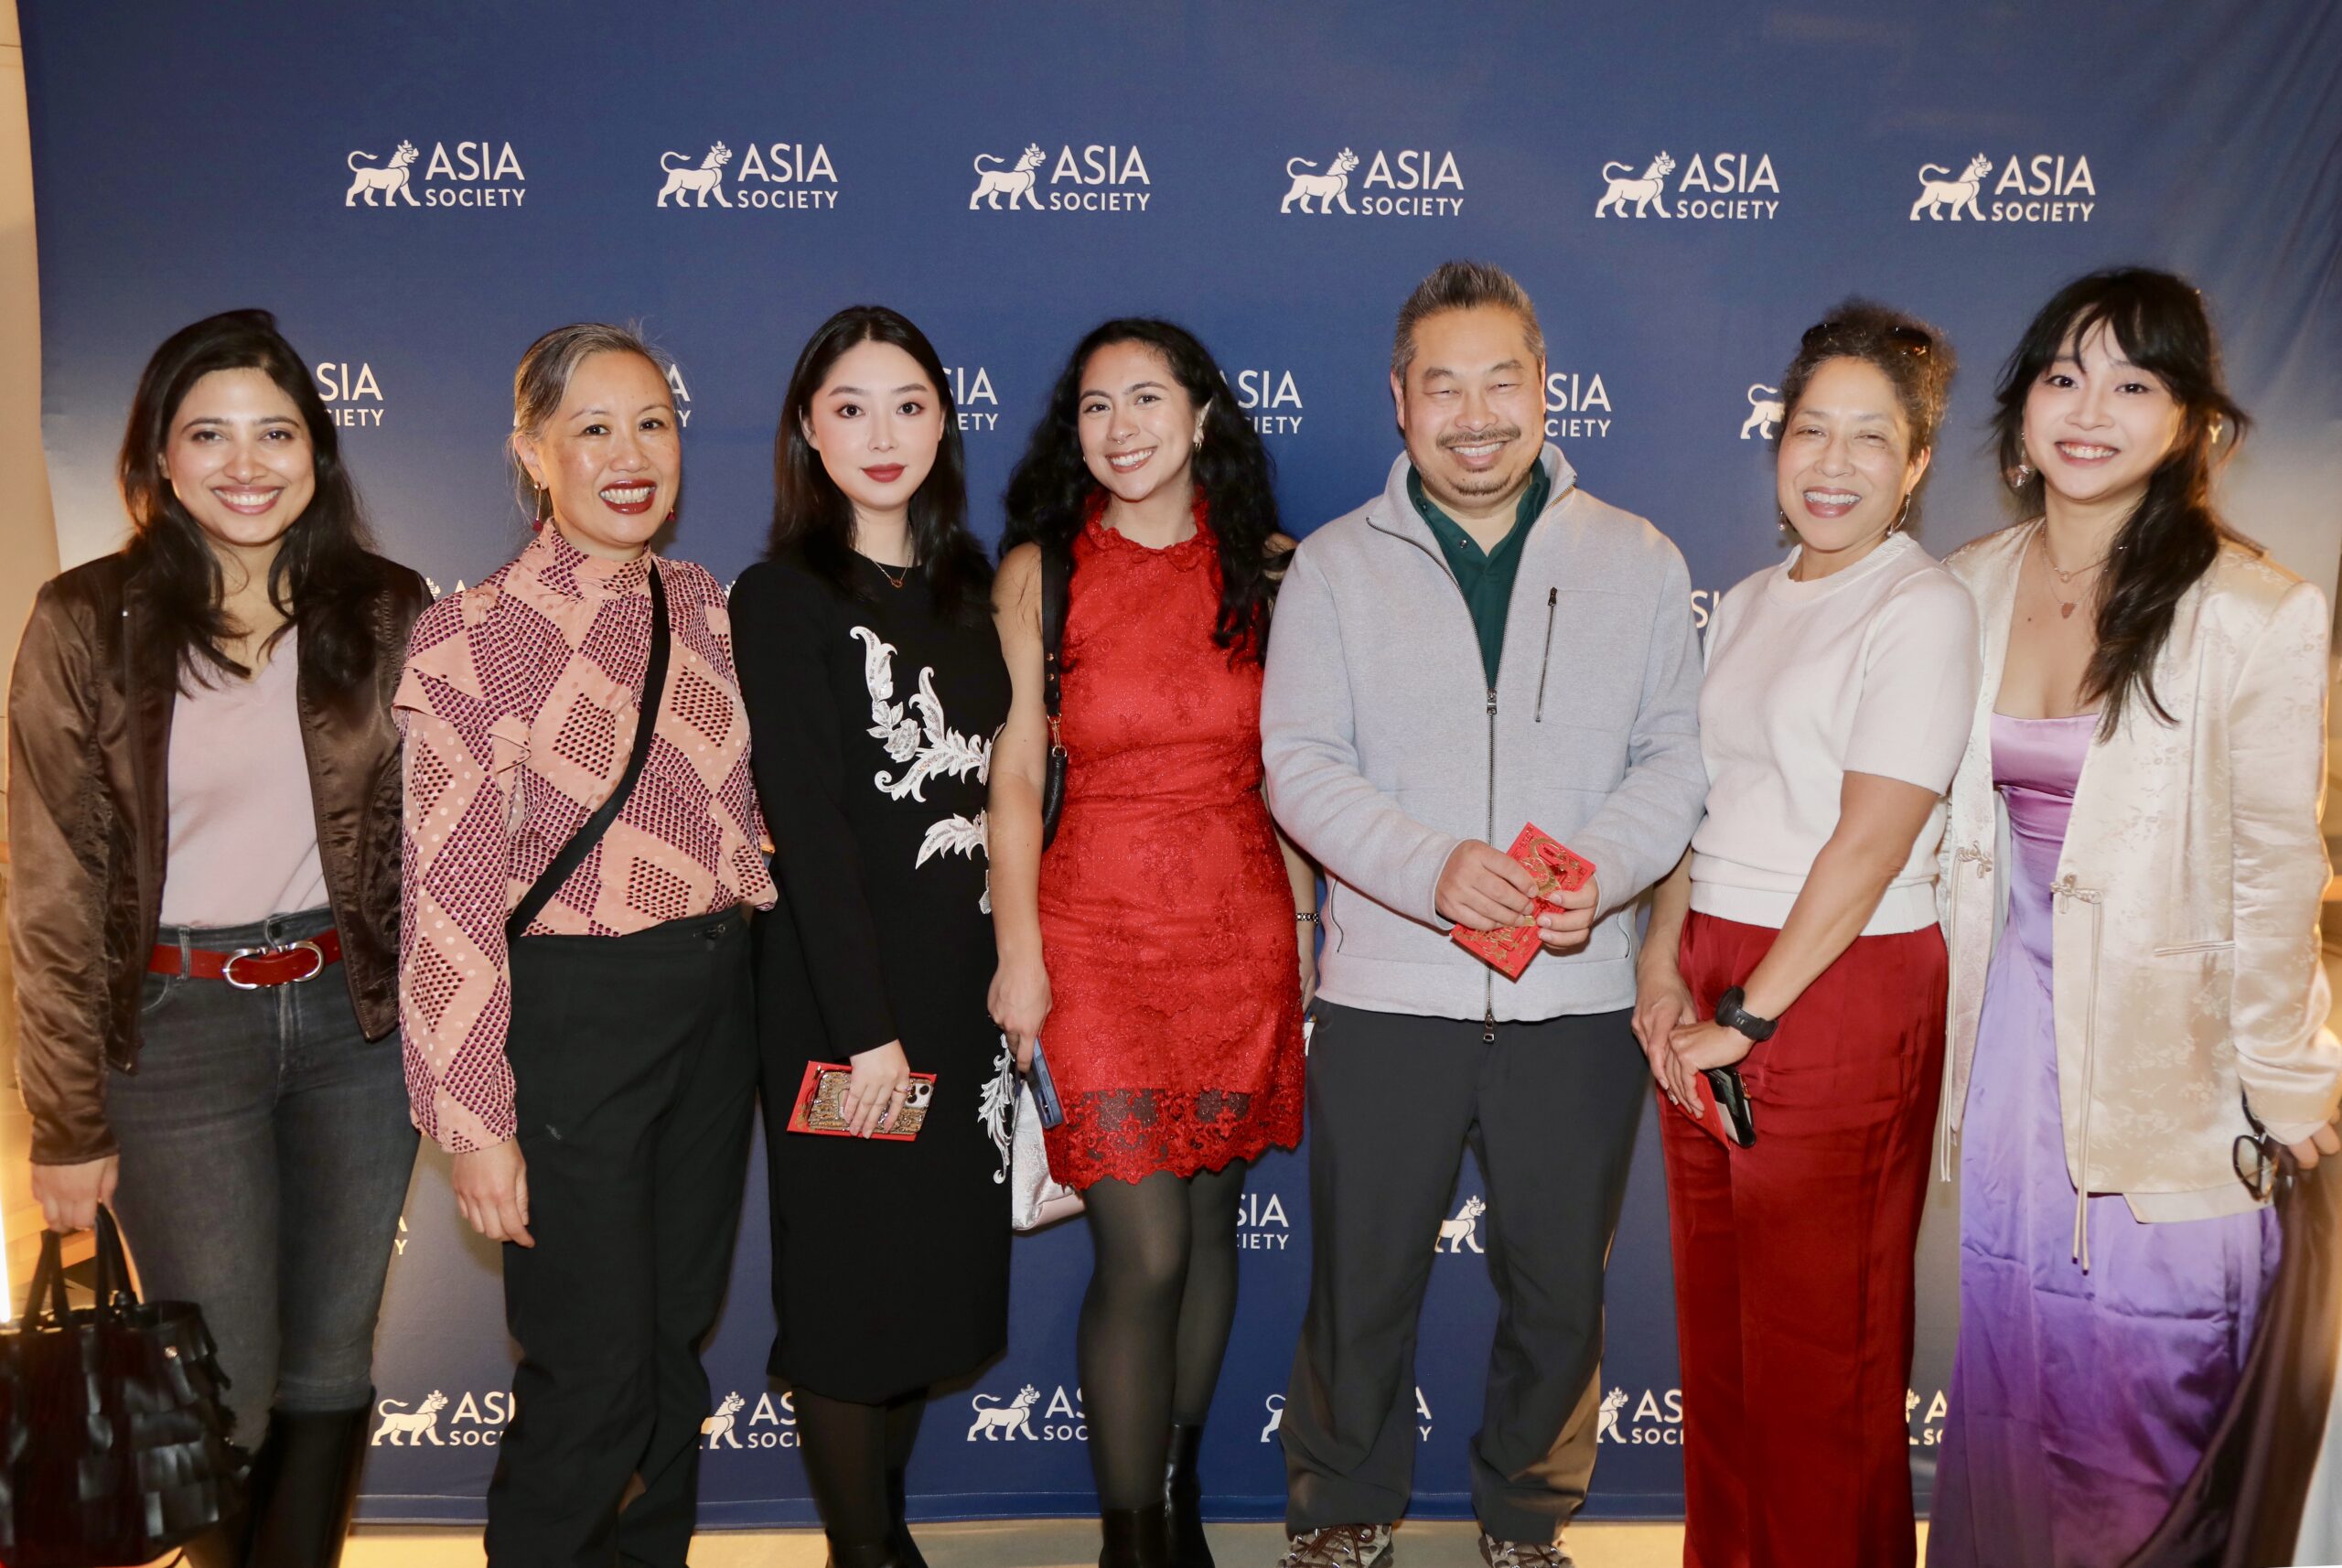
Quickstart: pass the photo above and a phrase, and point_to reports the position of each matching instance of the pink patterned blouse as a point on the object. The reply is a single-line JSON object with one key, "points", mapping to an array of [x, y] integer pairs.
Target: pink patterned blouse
{"points": [[519, 705]]}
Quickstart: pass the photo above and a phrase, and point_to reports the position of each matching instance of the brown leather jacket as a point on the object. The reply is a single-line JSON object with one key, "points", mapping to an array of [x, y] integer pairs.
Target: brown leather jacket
{"points": [[89, 737]]}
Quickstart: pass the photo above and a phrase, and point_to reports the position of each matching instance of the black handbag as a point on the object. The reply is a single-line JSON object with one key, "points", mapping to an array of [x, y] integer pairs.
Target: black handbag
{"points": [[2241, 1507], [111, 1429], [1055, 574]]}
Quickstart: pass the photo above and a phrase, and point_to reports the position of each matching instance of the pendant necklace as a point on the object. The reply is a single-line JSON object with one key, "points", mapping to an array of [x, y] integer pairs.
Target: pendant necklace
{"points": [[2066, 607], [895, 575]]}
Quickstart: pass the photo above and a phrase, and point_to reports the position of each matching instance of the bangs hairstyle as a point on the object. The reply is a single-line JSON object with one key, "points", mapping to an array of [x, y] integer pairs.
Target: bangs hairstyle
{"points": [[2158, 323], [813, 518], [1915, 360], [542, 379], [1050, 490], [323, 577]]}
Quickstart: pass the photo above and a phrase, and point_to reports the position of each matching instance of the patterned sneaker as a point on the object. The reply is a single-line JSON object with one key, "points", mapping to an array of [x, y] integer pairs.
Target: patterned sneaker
{"points": [[1522, 1553], [1339, 1546]]}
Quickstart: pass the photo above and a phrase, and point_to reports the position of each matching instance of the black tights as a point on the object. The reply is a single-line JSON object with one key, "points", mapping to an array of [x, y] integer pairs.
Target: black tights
{"points": [[855, 1455], [1155, 1322]]}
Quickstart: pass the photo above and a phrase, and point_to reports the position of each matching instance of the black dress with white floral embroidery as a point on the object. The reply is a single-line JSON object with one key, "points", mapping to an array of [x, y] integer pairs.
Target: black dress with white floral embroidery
{"points": [[871, 721]]}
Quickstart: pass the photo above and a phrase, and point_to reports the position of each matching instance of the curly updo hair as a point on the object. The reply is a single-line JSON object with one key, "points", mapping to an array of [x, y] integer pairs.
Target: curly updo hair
{"points": [[1914, 358]]}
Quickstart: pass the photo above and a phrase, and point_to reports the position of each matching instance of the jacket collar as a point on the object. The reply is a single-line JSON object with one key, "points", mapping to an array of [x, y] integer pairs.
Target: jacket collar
{"points": [[1393, 511]]}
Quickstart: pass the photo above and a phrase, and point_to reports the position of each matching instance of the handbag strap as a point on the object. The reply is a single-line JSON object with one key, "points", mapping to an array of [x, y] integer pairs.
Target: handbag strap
{"points": [[1055, 573], [49, 1278], [581, 842], [115, 1292]]}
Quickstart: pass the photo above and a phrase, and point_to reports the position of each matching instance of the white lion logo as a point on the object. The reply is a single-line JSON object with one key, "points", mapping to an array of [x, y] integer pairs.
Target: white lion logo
{"points": [[1329, 189], [1765, 412], [1645, 193], [717, 1428], [391, 179], [1008, 1421], [1460, 1232], [415, 1425], [706, 180], [1612, 1403], [1277, 1417], [1961, 193], [1012, 183]]}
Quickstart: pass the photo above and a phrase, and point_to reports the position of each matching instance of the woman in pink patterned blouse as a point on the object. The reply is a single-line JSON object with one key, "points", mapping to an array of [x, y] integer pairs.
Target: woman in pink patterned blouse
{"points": [[574, 983]]}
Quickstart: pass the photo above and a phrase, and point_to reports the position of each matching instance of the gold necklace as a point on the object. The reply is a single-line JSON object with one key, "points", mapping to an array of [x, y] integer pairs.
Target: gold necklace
{"points": [[896, 576], [2066, 607]]}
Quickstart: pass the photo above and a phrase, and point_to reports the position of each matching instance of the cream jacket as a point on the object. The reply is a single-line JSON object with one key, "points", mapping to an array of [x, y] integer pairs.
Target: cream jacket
{"points": [[2184, 914]]}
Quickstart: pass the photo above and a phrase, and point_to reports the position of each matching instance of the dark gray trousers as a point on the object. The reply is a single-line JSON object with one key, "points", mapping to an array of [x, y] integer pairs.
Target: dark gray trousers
{"points": [[1549, 1109]]}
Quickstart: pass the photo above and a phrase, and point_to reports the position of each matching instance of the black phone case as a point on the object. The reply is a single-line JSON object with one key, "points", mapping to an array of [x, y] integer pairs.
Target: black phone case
{"points": [[1731, 1096]]}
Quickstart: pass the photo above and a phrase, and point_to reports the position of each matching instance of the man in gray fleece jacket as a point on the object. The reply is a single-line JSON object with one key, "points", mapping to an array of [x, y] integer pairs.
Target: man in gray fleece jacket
{"points": [[1482, 646]]}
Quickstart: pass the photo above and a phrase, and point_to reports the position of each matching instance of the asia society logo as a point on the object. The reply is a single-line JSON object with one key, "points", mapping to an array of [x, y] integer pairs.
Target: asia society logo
{"points": [[1463, 1231], [1014, 1419], [2038, 189], [1714, 185], [1929, 1432], [1765, 413], [1271, 401], [1657, 1417], [475, 1422], [1099, 177], [1578, 405], [354, 398], [1413, 182], [1260, 1222], [772, 1425], [476, 174], [682, 395], [791, 177], [971, 386]]}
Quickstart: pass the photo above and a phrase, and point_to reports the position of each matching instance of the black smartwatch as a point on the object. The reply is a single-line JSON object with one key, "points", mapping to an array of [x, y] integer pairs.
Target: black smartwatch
{"points": [[1733, 1015]]}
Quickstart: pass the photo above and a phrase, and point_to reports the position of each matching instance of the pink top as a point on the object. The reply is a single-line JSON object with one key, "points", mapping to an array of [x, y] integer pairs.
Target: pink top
{"points": [[519, 705], [243, 832]]}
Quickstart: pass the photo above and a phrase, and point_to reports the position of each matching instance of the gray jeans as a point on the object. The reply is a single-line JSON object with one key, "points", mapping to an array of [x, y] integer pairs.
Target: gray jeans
{"points": [[265, 1151]]}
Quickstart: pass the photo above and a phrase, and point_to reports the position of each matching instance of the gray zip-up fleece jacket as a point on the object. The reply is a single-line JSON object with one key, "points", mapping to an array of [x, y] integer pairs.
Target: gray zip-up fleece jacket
{"points": [[1386, 747]]}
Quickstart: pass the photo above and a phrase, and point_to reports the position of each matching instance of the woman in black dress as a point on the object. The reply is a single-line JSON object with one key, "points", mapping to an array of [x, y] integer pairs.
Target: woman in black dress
{"points": [[874, 683]]}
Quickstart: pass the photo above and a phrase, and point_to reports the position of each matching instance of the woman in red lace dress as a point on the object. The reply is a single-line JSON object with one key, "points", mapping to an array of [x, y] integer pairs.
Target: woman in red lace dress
{"points": [[1155, 946]]}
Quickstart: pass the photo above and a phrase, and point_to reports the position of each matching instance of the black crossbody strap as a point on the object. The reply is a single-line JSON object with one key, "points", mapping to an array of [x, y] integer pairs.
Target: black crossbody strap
{"points": [[581, 842], [1054, 585]]}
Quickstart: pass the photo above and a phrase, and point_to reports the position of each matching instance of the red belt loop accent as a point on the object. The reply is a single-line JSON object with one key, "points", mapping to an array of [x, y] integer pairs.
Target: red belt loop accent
{"points": [[249, 969]]}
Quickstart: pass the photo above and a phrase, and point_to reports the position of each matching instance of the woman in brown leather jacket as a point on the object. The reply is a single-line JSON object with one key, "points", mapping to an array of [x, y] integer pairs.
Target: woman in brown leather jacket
{"points": [[204, 818]]}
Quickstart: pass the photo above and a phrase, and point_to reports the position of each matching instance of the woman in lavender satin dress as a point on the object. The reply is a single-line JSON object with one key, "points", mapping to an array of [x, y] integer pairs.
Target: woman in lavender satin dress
{"points": [[2151, 733]]}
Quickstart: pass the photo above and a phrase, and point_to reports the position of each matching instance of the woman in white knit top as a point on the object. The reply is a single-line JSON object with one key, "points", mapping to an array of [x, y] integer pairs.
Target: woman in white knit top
{"points": [[1798, 946]]}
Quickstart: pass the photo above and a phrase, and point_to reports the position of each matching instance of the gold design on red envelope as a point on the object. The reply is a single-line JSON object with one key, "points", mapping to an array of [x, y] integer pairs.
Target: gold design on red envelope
{"points": [[1557, 869]]}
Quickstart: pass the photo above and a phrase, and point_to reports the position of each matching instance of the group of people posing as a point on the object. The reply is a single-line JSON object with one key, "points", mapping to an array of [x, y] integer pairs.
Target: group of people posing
{"points": [[2016, 853]]}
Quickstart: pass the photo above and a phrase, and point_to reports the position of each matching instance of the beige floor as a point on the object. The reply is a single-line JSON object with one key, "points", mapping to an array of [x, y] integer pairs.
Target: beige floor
{"points": [[1050, 1544]]}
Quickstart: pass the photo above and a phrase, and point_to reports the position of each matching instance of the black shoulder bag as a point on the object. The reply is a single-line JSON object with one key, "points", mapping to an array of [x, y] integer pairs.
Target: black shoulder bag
{"points": [[1054, 573], [581, 842]]}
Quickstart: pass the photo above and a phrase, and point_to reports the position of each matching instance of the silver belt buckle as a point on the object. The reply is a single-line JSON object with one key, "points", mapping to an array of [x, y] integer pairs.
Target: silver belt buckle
{"points": [[316, 963]]}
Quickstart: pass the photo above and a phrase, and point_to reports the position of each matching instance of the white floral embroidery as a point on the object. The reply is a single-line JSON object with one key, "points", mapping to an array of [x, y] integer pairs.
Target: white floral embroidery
{"points": [[916, 732], [996, 1108]]}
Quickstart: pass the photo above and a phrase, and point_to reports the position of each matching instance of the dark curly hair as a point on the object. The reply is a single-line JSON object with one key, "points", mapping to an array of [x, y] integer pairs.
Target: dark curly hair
{"points": [[812, 516], [1914, 358], [323, 576], [2173, 536], [1050, 490]]}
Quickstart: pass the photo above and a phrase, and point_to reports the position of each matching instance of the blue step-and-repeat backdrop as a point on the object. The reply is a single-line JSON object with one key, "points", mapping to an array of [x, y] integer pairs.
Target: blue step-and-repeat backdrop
{"points": [[419, 189]]}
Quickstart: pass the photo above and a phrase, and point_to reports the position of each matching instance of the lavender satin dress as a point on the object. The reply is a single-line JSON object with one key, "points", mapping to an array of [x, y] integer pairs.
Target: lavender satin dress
{"points": [[2080, 1403]]}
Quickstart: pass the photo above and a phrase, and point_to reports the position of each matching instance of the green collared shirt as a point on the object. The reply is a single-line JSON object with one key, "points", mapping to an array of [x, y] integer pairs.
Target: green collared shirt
{"points": [[1485, 576]]}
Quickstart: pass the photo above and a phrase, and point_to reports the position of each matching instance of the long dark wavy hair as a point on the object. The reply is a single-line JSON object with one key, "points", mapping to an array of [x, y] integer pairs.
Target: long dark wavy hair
{"points": [[1051, 489], [323, 577], [2173, 536], [813, 518]]}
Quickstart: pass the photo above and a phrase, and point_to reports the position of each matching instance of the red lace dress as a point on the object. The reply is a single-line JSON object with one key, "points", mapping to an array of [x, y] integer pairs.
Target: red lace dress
{"points": [[1173, 1035]]}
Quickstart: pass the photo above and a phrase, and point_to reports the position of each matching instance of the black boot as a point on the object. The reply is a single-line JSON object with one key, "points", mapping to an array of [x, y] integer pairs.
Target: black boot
{"points": [[1183, 1497], [301, 1517], [907, 1553], [862, 1554], [1135, 1538]]}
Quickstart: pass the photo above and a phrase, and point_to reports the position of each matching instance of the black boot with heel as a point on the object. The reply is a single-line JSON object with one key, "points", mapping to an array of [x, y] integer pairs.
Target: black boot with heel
{"points": [[1182, 1497]]}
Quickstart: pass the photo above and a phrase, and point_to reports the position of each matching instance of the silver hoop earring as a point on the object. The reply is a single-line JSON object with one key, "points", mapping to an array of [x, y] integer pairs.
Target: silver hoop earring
{"points": [[2020, 476], [1901, 517]]}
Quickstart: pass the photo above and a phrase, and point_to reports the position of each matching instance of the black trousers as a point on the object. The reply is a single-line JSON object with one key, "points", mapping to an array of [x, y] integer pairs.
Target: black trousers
{"points": [[634, 1064], [1549, 1109]]}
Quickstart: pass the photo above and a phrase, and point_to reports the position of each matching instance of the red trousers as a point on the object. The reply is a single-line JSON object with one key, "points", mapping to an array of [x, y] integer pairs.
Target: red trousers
{"points": [[1793, 1260]]}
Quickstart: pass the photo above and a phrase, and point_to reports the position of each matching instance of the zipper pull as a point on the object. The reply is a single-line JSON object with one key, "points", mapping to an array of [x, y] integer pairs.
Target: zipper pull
{"points": [[1488, 1028], [1492, 701]]}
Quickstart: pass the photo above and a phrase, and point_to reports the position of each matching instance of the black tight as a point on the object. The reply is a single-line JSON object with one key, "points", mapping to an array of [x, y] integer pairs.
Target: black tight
{"points": [[854, 1454], [1155, 1322]]}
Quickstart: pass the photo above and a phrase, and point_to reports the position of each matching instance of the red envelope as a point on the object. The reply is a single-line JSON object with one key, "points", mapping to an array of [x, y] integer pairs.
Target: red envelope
{"points": [[1558, 869]]}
